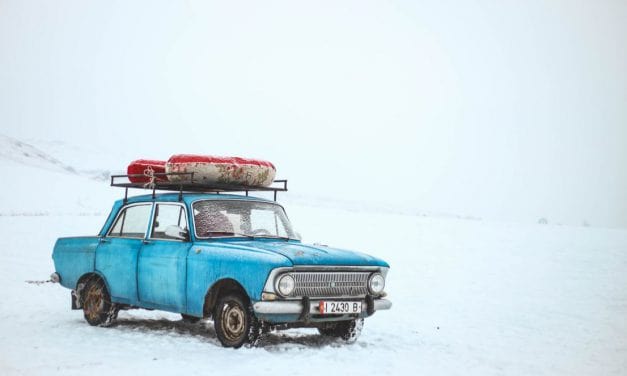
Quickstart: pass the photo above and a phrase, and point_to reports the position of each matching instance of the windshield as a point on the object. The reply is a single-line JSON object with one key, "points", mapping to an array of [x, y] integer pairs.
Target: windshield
{"points": [[214, 218]]}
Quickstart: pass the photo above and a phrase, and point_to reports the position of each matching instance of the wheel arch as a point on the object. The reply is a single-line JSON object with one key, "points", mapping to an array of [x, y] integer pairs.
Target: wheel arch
{"points": [[219, 288], [80, 285]]}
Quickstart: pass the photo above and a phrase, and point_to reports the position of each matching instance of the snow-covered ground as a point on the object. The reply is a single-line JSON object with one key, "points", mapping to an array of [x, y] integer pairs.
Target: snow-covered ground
{"points": [[470, 297]]}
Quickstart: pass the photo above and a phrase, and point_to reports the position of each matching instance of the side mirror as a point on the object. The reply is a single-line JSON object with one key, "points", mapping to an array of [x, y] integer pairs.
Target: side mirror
{"points": [[175, 232]]}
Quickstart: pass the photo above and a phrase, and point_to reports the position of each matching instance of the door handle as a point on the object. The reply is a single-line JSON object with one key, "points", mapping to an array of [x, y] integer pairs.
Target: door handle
{"points": [[146, 241], [103, 240]]}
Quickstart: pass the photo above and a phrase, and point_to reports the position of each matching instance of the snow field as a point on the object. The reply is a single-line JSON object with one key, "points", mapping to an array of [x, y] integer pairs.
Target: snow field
{"points": [[470, 297], [507, 299]]}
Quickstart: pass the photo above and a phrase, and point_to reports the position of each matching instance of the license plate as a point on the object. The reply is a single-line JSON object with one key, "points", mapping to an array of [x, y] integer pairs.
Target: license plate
{"points": [[339, 307]]}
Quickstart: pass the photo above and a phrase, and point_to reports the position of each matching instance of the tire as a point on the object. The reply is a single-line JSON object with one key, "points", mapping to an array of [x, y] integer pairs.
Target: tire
{"points": [[189, 319], [96, 302], [235, 323], [348, 331]]}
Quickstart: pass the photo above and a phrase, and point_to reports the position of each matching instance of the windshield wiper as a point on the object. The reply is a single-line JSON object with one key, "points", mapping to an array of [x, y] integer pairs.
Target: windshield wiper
{"points": [[243, 235], [230, 233], [248, 236], [273, 237]]}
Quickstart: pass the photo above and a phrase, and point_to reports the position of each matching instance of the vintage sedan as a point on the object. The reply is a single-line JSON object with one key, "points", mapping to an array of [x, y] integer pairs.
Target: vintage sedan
{"points": [[232, 258]]}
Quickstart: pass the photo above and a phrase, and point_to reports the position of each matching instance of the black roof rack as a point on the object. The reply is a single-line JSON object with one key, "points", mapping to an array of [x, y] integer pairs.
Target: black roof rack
{"points": [[187, 184]]}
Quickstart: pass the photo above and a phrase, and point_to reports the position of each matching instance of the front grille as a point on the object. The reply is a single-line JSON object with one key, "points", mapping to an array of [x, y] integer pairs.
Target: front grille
{"points": [[330, 284]]}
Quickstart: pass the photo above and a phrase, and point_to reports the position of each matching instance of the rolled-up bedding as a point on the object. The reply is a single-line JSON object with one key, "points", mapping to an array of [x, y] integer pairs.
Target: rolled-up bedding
{"points": [[221, 170]]}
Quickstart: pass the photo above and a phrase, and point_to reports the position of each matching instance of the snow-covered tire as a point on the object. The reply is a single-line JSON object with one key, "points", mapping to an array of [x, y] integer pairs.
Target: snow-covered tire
{"points": [[349, 330], [235, 323], [189, 319], [96, 303]]}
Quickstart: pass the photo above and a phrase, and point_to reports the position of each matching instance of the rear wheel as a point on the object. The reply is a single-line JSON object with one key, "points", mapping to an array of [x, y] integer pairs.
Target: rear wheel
{"points": [[235, 322], [96, 302], [349, 330]]}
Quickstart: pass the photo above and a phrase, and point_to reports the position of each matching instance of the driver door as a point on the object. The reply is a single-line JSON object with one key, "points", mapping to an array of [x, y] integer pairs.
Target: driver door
{"points": [[162, 268]]}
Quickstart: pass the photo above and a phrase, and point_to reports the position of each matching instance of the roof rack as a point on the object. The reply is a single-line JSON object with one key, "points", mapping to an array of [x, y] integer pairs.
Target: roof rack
{"points": [[186, 184]]}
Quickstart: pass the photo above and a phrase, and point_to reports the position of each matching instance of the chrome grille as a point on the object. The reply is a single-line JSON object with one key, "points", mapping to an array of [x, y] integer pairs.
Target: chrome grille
{"points": [[330, 284]]}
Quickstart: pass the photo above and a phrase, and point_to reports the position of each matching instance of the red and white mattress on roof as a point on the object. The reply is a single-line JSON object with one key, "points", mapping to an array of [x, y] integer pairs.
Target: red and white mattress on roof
{"points": [[207, 170]]}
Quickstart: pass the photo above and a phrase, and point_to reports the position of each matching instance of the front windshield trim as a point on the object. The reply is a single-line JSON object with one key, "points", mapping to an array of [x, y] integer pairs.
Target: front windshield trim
{"points": [[237, 235]]}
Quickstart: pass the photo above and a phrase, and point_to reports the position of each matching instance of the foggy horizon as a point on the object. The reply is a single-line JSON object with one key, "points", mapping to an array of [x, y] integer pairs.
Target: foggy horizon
{"points": [[496, 110]]}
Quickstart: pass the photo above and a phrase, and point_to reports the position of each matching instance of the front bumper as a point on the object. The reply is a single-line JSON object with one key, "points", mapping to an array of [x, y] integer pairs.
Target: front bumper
{"points": [[298, 307]]}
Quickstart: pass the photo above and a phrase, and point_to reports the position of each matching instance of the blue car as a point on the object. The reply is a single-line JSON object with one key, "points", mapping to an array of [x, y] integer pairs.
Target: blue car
{"points": [[233, 258]]}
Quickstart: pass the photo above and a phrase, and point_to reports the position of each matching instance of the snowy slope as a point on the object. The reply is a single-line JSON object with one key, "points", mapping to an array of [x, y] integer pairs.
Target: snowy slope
{"points": [[37, 183], [35, 191], [470, 298], [26, 154], [91, 160]]}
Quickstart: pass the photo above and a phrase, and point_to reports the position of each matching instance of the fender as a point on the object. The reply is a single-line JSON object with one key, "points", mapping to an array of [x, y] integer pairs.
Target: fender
{"points": [[209, 263]]}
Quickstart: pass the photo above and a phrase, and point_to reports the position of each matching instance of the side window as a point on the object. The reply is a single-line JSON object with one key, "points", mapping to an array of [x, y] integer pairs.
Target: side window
{"points": [[167, 215], [132, 222]]}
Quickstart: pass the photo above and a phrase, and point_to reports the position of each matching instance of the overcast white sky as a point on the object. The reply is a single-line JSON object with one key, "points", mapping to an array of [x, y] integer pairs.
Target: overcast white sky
{"points": [[498, 109]]}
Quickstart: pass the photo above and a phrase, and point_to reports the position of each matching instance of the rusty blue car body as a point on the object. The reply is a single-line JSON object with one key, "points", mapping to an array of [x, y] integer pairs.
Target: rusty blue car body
{"points": [[143, 270]]}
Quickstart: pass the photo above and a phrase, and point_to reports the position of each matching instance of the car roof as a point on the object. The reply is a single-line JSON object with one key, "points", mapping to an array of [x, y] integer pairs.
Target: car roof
{"points": [[190, 197]]}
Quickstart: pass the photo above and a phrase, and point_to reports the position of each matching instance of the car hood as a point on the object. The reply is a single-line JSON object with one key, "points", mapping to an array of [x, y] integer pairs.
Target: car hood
{"points": [[304, 254]]}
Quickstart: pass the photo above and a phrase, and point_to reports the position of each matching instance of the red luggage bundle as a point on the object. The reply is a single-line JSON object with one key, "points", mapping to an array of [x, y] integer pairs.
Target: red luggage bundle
{"points": [[146, 168], [207, 170]]}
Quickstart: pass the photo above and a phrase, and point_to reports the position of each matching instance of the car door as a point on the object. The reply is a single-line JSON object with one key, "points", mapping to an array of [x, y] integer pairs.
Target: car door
{"points": [[117, 253], [162, 264]]}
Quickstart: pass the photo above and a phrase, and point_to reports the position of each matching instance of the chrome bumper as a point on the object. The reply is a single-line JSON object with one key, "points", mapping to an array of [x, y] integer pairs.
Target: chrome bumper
{"points": [[295, 307]]}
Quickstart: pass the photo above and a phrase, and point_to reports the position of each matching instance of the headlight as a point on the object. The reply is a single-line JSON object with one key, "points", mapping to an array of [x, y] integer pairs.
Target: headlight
{"points": [[376, 283], [285, 285]]}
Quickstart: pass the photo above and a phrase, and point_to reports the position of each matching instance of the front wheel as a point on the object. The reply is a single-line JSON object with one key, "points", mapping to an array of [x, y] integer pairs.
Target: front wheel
{"points": [[235, 322], [349, 330]]}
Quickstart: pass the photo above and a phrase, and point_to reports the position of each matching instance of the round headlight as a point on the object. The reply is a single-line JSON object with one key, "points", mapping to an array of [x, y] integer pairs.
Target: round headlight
{"points": [[376, 283], [285, 285]]}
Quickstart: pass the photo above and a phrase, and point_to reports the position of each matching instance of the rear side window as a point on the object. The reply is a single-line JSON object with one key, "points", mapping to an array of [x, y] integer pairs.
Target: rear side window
{"points": [[132, 222]]}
